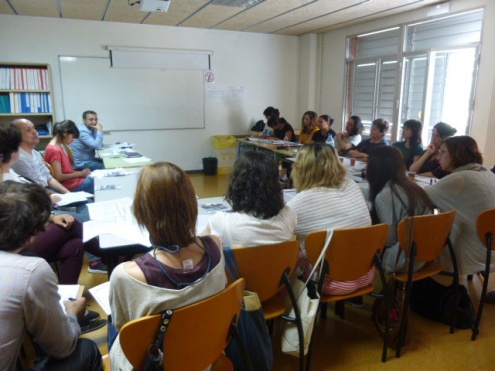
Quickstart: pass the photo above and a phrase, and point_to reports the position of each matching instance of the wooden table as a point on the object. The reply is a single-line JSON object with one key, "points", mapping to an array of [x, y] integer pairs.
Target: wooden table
{"points": [[279, 152]]}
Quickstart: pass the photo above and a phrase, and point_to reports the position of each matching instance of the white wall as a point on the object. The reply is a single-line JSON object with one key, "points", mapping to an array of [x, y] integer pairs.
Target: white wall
{"points": [[267, 65], [333, 70]]}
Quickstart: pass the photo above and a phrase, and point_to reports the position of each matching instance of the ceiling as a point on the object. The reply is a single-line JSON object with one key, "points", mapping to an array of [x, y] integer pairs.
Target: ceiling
{"points": [[284, 17]]}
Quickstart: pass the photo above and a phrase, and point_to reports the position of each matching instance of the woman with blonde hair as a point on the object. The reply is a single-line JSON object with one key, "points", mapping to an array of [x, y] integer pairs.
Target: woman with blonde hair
{"points": [[309, 127], [326, 198], [181, 268]]}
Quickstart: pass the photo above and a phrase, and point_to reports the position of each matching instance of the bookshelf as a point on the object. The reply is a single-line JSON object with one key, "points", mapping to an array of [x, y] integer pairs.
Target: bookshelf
{"points": [[26, 92]]}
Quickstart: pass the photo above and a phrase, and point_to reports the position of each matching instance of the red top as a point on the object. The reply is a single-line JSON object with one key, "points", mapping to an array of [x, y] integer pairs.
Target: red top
{"points": [[54, 153]]}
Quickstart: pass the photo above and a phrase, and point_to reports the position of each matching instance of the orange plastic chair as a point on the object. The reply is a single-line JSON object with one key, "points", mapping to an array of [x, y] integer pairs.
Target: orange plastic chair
{"points": [[424, 237], [351, 254], [266, 269], [196, 336], [485, 226]]}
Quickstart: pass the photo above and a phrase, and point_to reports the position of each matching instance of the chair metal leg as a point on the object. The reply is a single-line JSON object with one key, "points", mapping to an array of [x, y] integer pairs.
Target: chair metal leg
{"points": [[385, 294], [405, 305], [486, 276], [297, 320]]}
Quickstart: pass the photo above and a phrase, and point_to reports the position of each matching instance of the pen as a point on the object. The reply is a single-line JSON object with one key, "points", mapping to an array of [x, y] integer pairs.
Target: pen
{"points": [[73, 299]]}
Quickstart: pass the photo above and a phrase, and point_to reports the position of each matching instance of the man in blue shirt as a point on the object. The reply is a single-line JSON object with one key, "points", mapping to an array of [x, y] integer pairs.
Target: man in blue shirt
{"points": [[90, 139]]}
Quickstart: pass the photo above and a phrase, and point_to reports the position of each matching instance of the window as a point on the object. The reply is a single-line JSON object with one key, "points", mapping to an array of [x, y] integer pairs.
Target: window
{"points": [[429, 74]]}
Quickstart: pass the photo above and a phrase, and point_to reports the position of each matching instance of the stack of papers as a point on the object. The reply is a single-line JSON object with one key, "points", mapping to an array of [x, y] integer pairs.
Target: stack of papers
{"points": [[101, 293], [109, 172], [72, 197], [114, 217]]}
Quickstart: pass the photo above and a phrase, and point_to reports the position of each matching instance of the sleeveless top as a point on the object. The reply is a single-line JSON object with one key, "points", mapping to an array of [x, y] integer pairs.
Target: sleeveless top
{"points": [[155, 277]]}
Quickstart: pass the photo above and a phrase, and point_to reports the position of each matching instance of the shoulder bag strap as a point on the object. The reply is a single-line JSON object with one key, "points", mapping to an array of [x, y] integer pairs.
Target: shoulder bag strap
{"points": [[155, 354], [319, 260]]}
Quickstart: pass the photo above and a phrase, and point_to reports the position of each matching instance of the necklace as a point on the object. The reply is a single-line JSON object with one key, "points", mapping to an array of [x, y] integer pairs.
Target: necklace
{"points": [[173, 249]]}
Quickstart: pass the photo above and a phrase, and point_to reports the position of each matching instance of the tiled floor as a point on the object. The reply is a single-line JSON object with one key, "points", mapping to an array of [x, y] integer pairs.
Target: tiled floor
{"points": [[353, 343]]}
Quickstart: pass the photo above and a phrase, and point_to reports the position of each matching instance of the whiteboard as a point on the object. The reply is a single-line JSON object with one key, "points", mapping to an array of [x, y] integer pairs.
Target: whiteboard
{"points": [[132, 99]]}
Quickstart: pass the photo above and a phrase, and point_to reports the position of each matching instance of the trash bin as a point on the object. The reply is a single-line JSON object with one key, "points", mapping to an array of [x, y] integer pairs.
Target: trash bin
{"points": [[225, 150], [210, 165]]}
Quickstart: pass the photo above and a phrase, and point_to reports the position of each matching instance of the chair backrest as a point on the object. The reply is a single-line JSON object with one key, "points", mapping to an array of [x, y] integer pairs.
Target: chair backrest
{"points": [[351, 251], [486, 224], [429, 232], [263, 266], [49, 167], [197, 334]]}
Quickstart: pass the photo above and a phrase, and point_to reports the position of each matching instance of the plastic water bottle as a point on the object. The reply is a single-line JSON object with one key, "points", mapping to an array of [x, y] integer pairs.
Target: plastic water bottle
{"points": [[286, 143]]}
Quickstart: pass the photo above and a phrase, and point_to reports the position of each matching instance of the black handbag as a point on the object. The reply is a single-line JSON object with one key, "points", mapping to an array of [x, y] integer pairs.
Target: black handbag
{"points": [[435, 301], [251, 327]]}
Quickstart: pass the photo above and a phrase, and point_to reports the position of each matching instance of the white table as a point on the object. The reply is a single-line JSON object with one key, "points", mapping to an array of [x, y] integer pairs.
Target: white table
{"points": [[125, 185]]}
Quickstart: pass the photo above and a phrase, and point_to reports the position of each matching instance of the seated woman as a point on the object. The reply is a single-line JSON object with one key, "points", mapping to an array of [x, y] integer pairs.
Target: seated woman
{"points": [[469, 190], [64, 134], [309, 127], [325, 134], [394, 196], [379, 128], [274, 113], [326, 198], [180, 270], [282, 130], [62, 239], [411, 148], [351, 137], [428, 164], [259, 215]]}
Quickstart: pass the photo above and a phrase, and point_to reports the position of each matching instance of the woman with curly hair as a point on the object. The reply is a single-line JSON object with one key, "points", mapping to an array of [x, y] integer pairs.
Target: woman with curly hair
{"points": [[350, 137], [259, 215], [309, 127]]}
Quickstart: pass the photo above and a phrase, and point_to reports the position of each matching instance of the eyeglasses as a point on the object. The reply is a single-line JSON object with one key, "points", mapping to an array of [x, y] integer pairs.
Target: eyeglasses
{"points": [[441, 151], [95, 120]]}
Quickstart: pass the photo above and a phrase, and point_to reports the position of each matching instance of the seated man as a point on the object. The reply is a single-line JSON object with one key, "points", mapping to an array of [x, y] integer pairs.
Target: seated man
{"points": [[90, 139], [379, 128], [31, 166], [30, 163], [29, 299]]}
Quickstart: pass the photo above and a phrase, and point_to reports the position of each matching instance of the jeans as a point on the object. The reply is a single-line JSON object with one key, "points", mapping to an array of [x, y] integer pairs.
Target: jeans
{"points": [[95, 164], [86, 357], [88, 185]]}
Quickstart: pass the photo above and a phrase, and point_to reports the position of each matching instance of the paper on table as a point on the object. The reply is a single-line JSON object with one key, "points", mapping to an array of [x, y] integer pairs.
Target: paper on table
{"points": [[101, 293], [119, 208], [73, 197], [202, 222], [126, 231], [109, 172], [69, 291], [289, 193]]}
